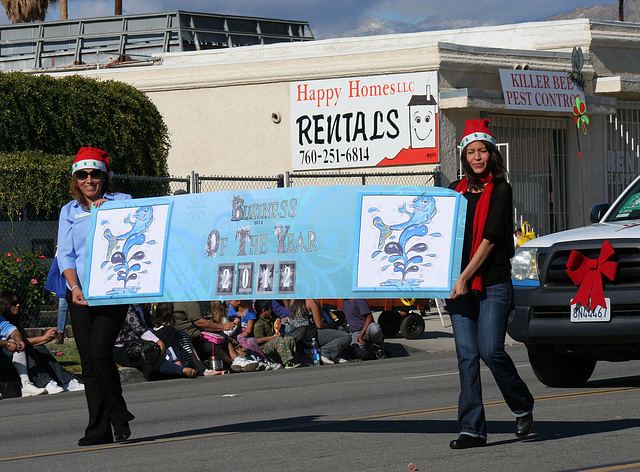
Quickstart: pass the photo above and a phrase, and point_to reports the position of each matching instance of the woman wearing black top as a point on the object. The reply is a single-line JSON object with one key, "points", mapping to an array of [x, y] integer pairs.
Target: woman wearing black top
{"points": [[481, 298]]}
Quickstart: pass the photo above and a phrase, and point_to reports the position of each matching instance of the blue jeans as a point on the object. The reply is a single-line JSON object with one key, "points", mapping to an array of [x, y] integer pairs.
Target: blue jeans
{"points": [[479, 321], [62, 314]]}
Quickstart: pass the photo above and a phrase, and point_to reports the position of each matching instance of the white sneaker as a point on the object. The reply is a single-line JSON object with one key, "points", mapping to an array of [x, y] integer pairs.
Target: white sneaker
{"points": [[250, 365], [73, 386], [326, 360], [52, 388], [29, 390], [274, 366], [342, 360], [238, 363]]}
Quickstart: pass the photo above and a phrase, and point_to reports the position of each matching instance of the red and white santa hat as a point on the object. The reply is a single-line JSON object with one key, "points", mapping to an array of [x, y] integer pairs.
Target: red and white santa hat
{"points": [[477, 130], [91, 158]]}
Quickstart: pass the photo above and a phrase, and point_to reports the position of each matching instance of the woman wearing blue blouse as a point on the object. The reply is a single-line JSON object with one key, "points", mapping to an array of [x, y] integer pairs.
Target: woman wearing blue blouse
{"points": [[95, 328]]}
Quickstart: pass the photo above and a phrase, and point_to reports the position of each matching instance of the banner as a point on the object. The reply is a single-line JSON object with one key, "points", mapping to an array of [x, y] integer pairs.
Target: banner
{"points": [[539, 90], [383, 120], [301, 242]]}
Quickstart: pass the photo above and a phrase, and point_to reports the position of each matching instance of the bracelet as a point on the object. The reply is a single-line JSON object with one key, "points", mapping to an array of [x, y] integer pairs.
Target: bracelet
{"points": [[75, 286]]}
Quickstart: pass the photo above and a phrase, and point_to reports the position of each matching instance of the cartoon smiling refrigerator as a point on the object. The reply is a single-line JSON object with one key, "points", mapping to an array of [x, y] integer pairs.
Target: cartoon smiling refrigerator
{"points": [[423, 111]]}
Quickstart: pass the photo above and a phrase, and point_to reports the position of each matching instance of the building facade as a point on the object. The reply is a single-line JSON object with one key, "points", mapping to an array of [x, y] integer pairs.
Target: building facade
{"points": [[233, 112]]}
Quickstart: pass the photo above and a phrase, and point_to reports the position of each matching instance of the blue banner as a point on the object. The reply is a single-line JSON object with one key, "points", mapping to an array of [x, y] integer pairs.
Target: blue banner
{"points": [[300, 242]]}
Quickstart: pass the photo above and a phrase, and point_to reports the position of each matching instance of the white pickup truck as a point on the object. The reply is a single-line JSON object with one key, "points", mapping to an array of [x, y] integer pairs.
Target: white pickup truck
{"points": [[564, 344]]}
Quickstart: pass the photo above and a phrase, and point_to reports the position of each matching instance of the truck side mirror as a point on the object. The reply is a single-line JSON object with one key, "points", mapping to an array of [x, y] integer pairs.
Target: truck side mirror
{"points": [[597, 211]]}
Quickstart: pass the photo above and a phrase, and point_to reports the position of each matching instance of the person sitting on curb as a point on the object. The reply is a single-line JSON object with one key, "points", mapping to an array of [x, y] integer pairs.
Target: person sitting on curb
{"points": [[366, 334], [12, 351], [138, 346], [246, 320], [188, 318], [306, 323], [44, 370], [276, 347]]}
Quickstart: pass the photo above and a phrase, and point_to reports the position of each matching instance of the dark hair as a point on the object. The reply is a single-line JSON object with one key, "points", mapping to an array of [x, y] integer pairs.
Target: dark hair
{"points": [[495, 164], [298, 307], [262, 305], [6, 301], [163, 315], [246, 304], [76, 193]]}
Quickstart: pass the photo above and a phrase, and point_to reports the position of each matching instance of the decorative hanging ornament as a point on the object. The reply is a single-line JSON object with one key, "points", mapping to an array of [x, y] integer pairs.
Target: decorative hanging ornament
{"points": [[579, 110]]}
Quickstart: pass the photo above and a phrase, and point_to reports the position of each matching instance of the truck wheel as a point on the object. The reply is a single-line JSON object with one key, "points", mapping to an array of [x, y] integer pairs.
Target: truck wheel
{"points": [[412, 326], [389, 321], [560, 369]]}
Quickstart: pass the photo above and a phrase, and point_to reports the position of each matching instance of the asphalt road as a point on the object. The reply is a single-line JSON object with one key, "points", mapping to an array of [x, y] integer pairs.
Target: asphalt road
{"points": [[364, 416]]}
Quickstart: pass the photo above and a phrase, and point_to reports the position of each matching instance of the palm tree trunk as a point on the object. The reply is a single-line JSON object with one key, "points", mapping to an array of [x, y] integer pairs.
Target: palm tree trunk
{"points": [[63, 10], [118, 7], [621, 10]]}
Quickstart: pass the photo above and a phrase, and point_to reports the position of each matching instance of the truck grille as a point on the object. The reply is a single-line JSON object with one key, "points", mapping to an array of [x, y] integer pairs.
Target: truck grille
{"points": [[627, 256]]}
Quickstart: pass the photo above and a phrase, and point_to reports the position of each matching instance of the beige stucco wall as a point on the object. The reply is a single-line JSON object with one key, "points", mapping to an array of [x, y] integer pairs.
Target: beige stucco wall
{"points": [[219, 105]]}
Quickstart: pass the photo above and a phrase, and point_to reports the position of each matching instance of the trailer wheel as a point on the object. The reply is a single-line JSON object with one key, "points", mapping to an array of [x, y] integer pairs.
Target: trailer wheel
{"points": [[389, 321], [412, 326]]}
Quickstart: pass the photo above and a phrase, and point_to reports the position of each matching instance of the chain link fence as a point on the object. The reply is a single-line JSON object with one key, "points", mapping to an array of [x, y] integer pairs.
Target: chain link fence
{"points": [[28, 241]]}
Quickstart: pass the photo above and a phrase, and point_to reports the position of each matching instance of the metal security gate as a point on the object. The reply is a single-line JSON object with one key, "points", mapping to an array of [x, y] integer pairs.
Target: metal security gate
{"points": [[622, 148], [538, 169]]}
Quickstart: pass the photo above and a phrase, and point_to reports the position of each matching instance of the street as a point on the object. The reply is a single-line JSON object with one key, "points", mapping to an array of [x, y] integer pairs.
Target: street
{"points": [[367, 416]]}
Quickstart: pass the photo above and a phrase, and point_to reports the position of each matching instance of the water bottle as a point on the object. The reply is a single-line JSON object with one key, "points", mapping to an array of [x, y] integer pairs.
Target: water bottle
{"points": [[315, 351]]}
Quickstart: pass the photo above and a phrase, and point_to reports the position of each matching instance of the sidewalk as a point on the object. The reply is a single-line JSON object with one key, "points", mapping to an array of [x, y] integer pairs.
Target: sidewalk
{"points": [[436, 338]]}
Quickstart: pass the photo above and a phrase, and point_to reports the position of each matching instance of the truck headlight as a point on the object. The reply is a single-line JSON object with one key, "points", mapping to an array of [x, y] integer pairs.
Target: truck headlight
{"points": [[524, 264]]}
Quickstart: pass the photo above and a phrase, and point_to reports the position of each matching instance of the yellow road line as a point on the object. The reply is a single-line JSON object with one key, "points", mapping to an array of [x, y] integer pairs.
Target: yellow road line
{"points": [[611, 468]]}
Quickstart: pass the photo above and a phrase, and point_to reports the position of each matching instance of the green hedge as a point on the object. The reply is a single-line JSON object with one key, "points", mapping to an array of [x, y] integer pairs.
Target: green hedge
{"points": [[43, 123], [34, 181], [58, 116]]}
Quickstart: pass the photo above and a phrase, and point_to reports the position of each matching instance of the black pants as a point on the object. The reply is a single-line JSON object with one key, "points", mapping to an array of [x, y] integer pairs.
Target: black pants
{"points": [[43, 367], [95, 329]]}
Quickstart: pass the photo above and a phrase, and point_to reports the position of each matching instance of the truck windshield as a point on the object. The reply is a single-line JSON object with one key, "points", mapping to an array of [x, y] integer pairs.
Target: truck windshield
{"points": [[628, 207]]}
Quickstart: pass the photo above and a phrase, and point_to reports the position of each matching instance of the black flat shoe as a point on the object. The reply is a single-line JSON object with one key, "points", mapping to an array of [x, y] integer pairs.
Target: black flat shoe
{"points": [[524, 425], [92, 442], [465, 441], [121, 433]]}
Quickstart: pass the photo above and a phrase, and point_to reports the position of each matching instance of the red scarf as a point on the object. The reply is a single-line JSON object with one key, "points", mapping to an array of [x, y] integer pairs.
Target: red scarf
{"points": [[479, 220]]}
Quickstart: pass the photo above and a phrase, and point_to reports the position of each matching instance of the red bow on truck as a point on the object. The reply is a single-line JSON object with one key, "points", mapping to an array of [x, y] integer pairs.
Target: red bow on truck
{"points": [[587, 274]]}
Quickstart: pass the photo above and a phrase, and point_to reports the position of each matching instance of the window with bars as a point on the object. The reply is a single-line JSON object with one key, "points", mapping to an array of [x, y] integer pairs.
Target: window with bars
{"points": [[622, 148], [537, 169]]}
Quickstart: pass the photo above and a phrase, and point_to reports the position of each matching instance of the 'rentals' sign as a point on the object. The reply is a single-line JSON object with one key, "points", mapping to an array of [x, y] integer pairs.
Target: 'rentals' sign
{"points": [[383, 120], [539, 90]]}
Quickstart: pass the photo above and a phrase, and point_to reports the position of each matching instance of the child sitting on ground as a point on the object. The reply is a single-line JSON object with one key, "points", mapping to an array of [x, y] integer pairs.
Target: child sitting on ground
{"points": [[247, 319], [276, 347]]}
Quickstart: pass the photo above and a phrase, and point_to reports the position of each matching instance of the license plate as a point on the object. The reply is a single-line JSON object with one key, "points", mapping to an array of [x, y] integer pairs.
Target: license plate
{"points": [[581, 314]]}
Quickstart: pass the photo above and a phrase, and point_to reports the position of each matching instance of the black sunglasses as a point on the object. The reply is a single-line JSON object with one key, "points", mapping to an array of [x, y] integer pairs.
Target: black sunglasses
{"points": [[83, 174], [15, 303]]}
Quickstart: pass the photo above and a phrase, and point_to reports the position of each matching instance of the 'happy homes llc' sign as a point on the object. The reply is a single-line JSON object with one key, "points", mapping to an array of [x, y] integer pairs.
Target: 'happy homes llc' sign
{"points": [[382, 120]]}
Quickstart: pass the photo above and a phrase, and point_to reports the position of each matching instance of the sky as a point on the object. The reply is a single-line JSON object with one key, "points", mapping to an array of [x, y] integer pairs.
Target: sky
{"points": [[327, 17]]}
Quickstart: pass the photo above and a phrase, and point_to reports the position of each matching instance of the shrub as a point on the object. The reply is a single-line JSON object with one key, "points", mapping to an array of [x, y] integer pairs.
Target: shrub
{"points": [[58, 116], [25, 273]]}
